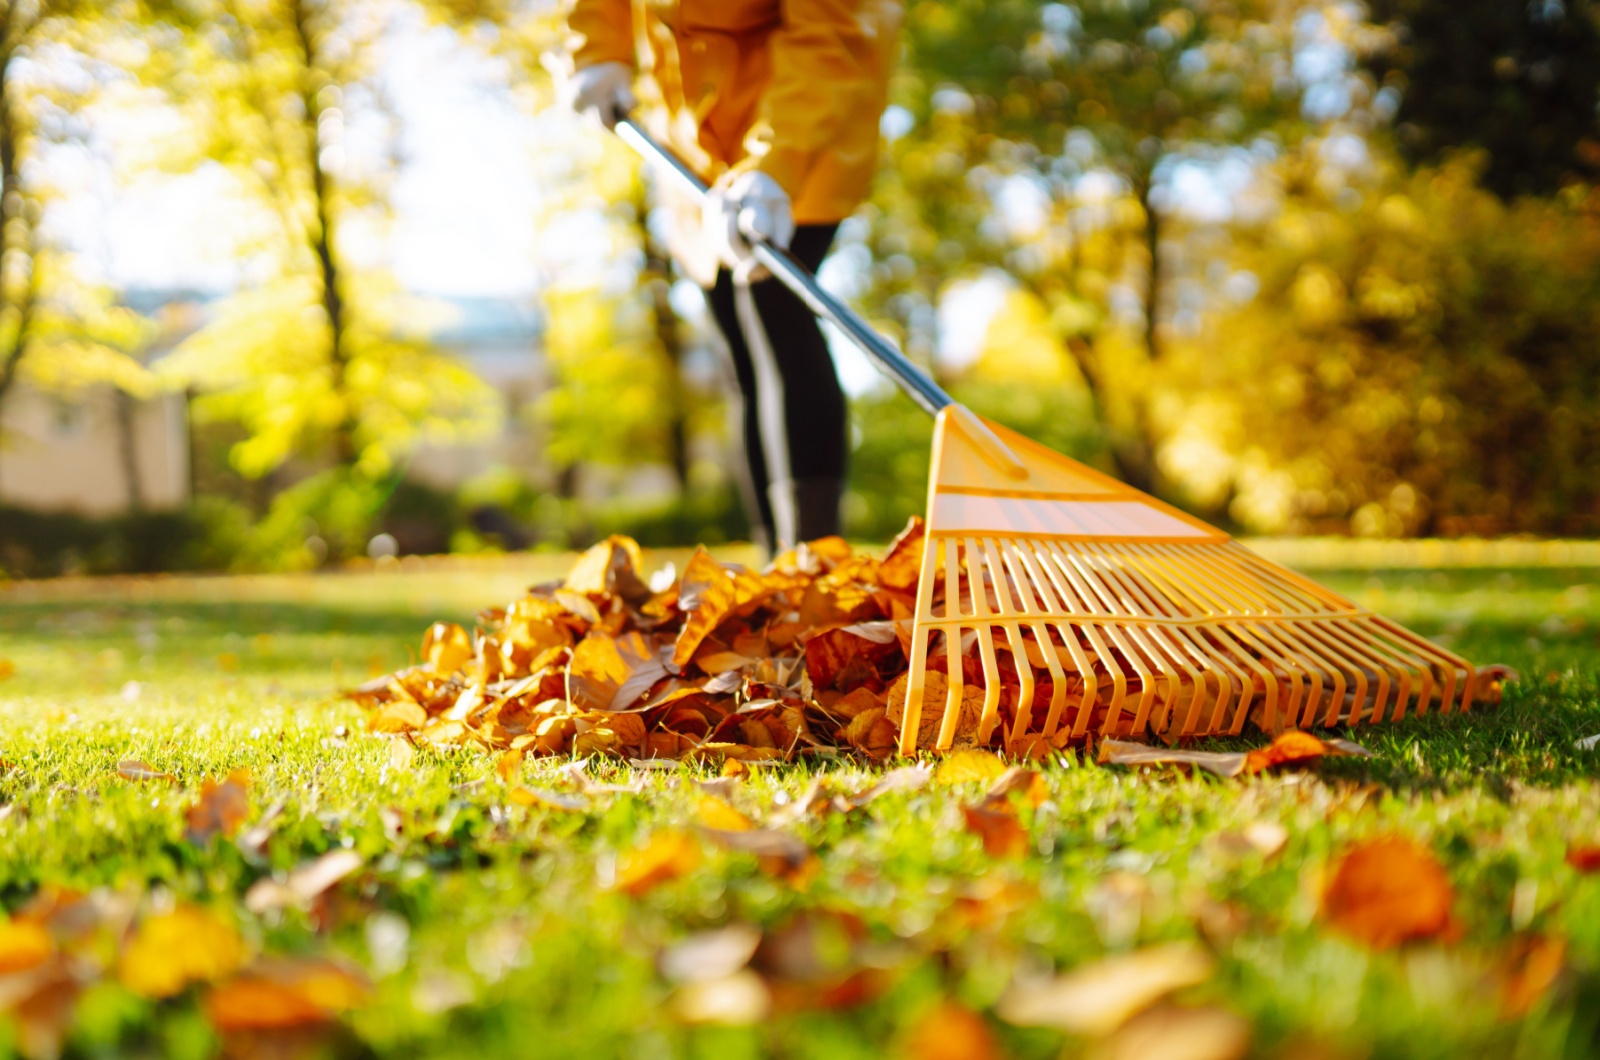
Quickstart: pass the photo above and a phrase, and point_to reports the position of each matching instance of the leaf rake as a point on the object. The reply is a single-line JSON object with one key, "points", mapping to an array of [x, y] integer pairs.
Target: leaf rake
{"points": [[1095, 608]]}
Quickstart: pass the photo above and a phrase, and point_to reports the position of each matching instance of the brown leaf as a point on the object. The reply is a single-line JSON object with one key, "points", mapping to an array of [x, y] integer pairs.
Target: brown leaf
{"points": [[133, 769], [1094, 999], [221, 808], [870, 731], [1388, 891], [665, 856], [304, 885], [1296, 746], [400, 716], [901, 566], [402, 753], [779, 853], [707, 594], [612, 673], [509, 766], [1288, 747]]}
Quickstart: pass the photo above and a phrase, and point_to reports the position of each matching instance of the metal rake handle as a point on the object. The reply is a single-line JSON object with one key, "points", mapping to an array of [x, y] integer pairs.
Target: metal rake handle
{"points": [[792, 274]]}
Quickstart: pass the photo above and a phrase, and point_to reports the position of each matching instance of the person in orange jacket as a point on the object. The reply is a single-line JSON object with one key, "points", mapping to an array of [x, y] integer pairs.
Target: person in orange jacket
{"points": [[776, 104]]}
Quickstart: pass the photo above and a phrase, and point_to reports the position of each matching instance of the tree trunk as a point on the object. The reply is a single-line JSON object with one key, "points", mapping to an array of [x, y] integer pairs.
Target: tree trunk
{"points": [[322, 235], [16, 226], [128, 449]]}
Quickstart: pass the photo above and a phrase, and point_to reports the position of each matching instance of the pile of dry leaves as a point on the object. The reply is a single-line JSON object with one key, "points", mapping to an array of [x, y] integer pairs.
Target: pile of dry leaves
{"points": [[722, 662]]}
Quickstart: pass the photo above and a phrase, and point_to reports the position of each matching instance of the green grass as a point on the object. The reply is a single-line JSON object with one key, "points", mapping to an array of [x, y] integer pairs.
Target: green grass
{"points": [[514, 946]]}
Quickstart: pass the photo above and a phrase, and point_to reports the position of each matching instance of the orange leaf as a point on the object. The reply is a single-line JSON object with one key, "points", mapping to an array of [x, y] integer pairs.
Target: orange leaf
{"points": [[709, 593], [1388, 891], [901, 565], [611, 673], [221, 808], [1531, 968], [665, 856], [509, 766], [172, 950], [997, 825], [951, 1031], [400, 716], [281, 995], [610, 568]]}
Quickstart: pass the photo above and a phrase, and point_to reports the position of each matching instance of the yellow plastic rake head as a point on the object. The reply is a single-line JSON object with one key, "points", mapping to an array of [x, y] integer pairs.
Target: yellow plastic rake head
{"points": [[1096, 608]]}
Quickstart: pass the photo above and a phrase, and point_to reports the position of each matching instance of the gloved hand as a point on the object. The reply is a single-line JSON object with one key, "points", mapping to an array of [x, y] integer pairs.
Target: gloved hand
{"points": [[748, 203], [600, 92]]}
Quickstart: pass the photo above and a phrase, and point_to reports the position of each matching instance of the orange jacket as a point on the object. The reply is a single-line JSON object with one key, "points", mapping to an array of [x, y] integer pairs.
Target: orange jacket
{"points": [[794, 88]]}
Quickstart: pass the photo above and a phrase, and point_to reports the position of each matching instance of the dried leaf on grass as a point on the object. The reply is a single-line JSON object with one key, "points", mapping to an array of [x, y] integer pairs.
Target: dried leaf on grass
{"points": [[709, 955], [736, 1000], [281, 994], [1286, 749], [172, 950], [221, 808], [1528, 971], [906, 778], [1584, 857], [1387, 891], [1096, 998], [963, 767], [305, 884], [1173, 1032], [779, 853], [549, 800], [133, 769], [950, 1031], [665, 856], [997, 825], [24, 944]]}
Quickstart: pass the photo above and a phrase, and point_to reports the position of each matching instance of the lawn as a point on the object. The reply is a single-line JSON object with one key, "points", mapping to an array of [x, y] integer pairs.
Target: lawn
{"points": [[488, 927]]}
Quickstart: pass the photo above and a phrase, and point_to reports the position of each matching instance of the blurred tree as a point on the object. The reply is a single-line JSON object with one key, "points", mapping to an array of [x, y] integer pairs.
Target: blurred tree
{"points": [[54, 331], [1051, 152], [322, 359], [1419, 359], [1519, 80]]}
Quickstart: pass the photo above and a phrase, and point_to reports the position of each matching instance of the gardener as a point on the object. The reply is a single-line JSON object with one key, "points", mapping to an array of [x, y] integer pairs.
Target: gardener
{"points": [[776, 104]]}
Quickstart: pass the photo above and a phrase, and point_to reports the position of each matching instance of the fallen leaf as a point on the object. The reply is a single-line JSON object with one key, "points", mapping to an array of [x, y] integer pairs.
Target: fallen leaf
{"points": [[1173, 1032], [1584, 857], [1387, 891], [1529, 969], [665, 856], [779, 853], [509, 766], [1096, 998], [1286, 748], [736, 1000], [963, 767], [997, 825], [169, 951], [1266, 838], [950, 1031], [402, 753], [221, 808], [304, 884], [24, 943], [612, 673], [1019, 779], [716, 813], [399, 716], [446, 647], [8, 669], [906, 778], [133, 769], [549, 800], [708, 955], [285, 994]]}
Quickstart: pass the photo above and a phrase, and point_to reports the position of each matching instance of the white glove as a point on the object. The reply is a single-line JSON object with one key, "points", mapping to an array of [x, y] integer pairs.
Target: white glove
{"points": [[747, 204], [600, 92]]}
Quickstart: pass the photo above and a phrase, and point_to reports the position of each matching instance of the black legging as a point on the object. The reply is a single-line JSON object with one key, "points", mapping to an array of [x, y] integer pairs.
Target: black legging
{"points": [[805, 419]]}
